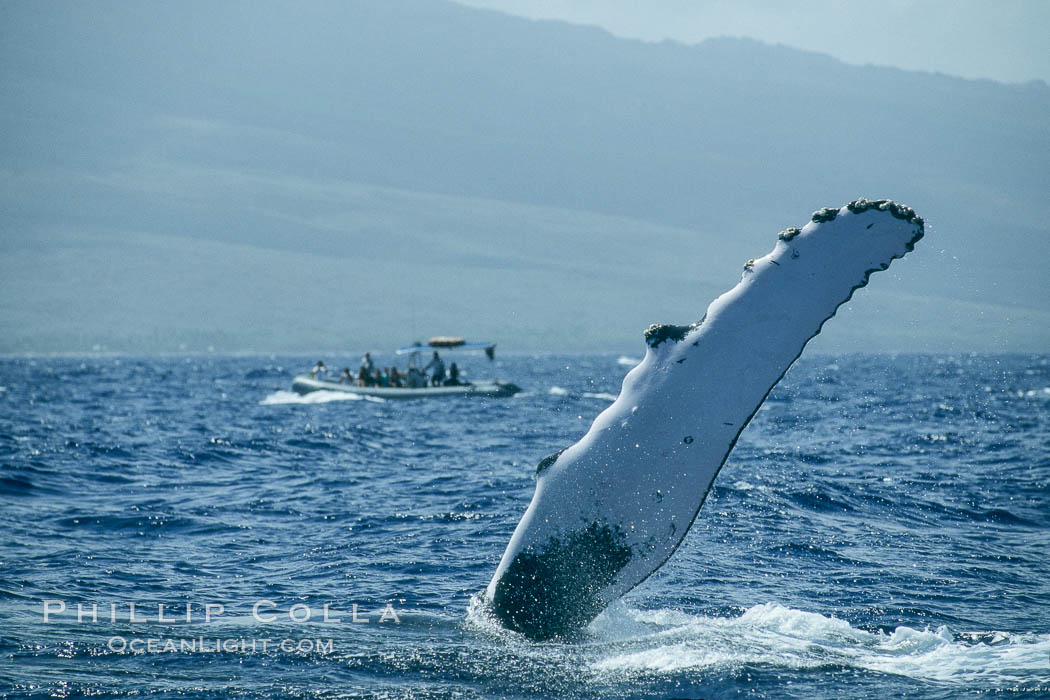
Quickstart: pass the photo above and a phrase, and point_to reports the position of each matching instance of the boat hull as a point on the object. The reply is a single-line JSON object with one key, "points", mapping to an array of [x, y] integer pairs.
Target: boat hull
{"points": [[305, 385]]}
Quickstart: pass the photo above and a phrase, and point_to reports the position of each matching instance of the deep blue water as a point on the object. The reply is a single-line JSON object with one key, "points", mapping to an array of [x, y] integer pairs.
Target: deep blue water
{"points": [[881, 529]]}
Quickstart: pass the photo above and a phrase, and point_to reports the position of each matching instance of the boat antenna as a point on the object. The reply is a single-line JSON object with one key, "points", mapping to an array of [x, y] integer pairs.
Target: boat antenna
{"points": [[412, 304]]}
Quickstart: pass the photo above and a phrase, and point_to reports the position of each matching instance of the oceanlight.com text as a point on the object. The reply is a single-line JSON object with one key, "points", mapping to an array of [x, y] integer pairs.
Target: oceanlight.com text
{"points": [[206, 645]]}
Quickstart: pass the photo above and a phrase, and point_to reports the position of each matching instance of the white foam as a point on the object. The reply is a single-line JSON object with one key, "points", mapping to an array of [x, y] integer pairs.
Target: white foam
{"points": [[278, 398], [627, 361], [774, 635], [599, 395]]}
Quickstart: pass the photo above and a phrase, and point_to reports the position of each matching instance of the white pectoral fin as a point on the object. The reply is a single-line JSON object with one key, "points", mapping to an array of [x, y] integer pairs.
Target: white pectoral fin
{"points": [[609, 510]]}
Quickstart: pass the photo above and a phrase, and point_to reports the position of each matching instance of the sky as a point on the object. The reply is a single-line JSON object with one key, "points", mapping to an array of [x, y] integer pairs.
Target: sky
{"points": [[1003, 40]]}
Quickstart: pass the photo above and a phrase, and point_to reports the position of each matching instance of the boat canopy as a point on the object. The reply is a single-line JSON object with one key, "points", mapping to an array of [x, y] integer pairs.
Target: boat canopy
{"points": [[444, 343]]}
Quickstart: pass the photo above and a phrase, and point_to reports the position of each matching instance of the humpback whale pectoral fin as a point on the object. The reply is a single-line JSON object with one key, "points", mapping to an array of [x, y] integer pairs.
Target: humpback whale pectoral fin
{"points": [[605, 520], [549, 460]]}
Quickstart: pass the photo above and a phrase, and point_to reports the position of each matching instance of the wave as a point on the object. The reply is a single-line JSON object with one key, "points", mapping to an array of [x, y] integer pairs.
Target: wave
{"points": [[598, 395], [279, 398], [771, 634], [267, 372], [633, 643], [15, 486], [561, 391]]}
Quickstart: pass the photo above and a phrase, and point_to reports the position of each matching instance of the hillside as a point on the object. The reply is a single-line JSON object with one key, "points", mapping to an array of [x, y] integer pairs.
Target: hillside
{"points": [[255, 176]]}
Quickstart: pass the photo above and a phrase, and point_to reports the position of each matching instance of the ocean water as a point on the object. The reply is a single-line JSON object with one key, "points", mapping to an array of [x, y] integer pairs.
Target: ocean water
{"points": [[882, 529]]}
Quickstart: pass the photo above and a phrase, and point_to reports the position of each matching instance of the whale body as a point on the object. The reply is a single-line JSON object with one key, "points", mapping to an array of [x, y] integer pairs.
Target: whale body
{"points": [[611, 509]]}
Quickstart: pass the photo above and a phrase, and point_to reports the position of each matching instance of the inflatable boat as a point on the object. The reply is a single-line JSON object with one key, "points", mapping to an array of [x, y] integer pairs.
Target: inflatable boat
{"points": [[303, 384], [416, 381]]}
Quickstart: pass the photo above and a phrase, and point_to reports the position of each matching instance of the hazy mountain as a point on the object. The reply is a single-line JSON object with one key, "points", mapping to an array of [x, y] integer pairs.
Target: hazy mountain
{"points": [[277, 176]]}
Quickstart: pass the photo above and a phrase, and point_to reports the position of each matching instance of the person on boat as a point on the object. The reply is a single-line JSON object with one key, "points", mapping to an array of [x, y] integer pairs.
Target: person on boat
{"points": [[319, 371], [415, 379], [362, 376], [453, 375], [346, 377], [438, 375], [367, 365], [384, 377], [395, 378]]}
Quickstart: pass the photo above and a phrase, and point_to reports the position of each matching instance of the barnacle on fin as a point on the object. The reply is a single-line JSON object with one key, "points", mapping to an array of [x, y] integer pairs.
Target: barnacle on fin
{"points": [[825, 214], [897, 211], [549, 460], [659, 332]]}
